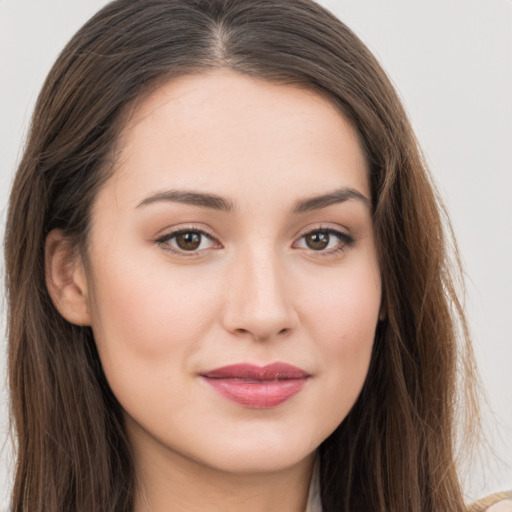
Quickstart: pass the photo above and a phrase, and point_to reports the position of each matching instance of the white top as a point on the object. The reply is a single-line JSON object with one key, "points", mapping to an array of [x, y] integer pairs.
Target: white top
{"points": [[314, 503]]}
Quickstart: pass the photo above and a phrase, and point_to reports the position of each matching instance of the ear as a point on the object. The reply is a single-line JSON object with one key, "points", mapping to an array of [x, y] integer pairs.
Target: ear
{"points": [[65, 279]]}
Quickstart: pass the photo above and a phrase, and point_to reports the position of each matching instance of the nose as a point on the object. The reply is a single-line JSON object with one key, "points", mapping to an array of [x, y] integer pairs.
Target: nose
{"points": [[259, 301]]}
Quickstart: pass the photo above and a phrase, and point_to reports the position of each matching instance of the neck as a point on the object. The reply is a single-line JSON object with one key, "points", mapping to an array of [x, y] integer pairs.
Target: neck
{"points": [[168, 481]]}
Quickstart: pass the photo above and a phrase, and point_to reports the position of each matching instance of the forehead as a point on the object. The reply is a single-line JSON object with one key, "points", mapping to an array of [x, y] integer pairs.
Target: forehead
{"points": [[221, 129]]}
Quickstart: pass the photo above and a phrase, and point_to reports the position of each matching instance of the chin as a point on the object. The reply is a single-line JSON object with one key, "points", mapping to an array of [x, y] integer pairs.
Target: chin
{"points": [[251, 461], [259, 454]]}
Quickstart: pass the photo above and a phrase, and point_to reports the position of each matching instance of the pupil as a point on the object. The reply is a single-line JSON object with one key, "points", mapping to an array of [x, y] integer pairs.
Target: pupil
{"points": [[188, 241], [317, 241]]}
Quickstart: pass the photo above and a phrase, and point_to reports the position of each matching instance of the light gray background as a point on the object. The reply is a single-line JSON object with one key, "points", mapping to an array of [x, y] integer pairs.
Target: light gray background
{"points": [[451, 62]]}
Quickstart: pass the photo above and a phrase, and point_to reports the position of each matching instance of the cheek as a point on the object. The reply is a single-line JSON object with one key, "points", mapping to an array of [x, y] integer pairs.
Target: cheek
{"points": [[341, 318], [149, 323], [147, 312]]}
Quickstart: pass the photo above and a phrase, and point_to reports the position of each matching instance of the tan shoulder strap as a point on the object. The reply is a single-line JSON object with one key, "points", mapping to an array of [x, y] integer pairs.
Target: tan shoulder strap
{"points": [[483, 504]]}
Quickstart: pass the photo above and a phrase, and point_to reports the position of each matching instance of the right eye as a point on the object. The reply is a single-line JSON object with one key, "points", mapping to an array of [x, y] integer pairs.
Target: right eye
{"points": [[187, 240]]}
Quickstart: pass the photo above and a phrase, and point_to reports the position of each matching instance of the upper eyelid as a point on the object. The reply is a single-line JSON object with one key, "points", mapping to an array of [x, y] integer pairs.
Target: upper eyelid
{"points": [[343, 236], [323, 227], [169, 233], [166, 235], [301, 232]]}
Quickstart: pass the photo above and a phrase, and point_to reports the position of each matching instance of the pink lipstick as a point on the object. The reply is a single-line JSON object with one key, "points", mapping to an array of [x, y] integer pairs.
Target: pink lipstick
{"points": [[255, 386]]}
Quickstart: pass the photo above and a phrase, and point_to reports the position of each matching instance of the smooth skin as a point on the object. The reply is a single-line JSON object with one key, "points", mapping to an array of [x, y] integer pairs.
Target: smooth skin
{"points": [[175, 284]]}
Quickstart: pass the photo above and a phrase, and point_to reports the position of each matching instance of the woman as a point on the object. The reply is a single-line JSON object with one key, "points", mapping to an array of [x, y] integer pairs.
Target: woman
{"points": [[226, 271]]}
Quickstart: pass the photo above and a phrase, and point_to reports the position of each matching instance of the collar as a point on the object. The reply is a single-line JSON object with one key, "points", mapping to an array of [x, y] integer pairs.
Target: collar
{"points": [[314, 503]]}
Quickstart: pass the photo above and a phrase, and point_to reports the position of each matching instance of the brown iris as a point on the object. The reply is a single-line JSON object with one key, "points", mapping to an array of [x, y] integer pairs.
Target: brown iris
{"points": [[188, 240], [318, 240]]}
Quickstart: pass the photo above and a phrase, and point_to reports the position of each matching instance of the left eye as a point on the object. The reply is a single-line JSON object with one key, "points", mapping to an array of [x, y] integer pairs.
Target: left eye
{"points": [[324, 239], [189, 240]]}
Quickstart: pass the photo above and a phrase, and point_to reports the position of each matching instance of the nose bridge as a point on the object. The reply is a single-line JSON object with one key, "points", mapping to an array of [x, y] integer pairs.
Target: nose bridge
{"points": [[258, 302]]}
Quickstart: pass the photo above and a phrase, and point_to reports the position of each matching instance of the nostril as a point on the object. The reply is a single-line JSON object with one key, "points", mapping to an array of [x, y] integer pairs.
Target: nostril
{"points": [[262, 336]]}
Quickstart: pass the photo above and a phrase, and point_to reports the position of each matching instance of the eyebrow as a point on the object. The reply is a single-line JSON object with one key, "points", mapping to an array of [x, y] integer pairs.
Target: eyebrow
{"points": [[318, 202], [201, 199], [215, 202]]}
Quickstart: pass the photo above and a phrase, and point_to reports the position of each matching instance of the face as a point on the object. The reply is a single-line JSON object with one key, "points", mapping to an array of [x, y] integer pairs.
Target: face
{"points": [[233, 282]]}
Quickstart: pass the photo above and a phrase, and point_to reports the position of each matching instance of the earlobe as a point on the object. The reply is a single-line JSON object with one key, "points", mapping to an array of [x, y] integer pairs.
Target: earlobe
{"points": [[65, 279]]}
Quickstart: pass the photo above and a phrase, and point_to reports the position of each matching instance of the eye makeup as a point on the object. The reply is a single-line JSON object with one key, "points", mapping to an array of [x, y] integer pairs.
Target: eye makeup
{"points": [[191, 241]]}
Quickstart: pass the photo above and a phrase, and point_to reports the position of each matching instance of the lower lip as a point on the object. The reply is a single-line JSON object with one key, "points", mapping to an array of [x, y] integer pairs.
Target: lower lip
{"points": [[257, 394]]}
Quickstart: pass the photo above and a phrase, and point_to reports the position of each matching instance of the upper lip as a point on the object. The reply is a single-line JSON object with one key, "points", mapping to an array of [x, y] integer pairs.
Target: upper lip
{"points": [[246, 371]]}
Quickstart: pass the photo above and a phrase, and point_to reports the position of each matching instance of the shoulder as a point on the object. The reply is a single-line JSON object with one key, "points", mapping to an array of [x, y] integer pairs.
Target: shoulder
{"points": [[499, 502], [501, 506]]}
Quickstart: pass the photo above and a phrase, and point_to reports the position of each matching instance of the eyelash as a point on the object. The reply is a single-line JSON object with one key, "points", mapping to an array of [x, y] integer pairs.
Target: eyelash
{"points": [[165, 239], [345, 240]]}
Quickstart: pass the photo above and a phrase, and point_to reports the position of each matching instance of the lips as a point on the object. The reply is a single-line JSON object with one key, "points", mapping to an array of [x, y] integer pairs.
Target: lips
{"points": [[255, 386]]}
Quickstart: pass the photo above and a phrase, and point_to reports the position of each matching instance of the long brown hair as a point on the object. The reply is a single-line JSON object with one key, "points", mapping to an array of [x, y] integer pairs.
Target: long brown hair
{"points": [[395, 450]]}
